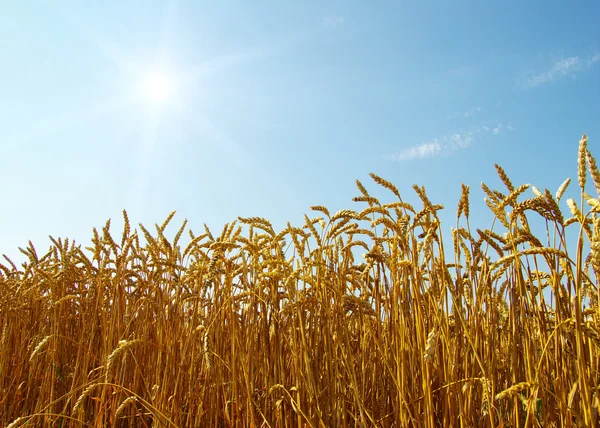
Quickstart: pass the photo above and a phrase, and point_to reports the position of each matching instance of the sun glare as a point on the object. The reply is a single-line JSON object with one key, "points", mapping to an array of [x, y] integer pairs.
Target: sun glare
{"points": [[157, 87]]}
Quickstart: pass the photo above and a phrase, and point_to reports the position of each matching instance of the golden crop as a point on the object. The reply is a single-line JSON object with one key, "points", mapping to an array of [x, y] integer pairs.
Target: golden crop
{"points": [[262, 328]]}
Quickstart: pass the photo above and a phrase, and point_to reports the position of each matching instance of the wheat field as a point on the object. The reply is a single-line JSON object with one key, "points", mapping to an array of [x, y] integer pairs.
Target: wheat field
{"points": [[359, 318]]}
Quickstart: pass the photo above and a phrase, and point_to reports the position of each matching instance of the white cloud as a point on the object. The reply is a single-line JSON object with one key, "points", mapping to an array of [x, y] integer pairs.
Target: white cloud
{"points": [[472, 112], [420, 151], [594, 59], [461, 140], [566, 67], [447, 143]]}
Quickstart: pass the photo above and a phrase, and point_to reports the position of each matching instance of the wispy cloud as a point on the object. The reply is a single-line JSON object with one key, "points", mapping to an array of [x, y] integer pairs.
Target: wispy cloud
{"points": [[420, 151], [472, 112], [448, 143], [333, 21], [594, 59], [566, 67]]}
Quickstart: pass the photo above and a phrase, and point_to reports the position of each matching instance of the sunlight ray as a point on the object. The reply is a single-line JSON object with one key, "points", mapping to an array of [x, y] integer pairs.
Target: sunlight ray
{"points": [[70, 119], [110, 50], [143, 164], [242, 159]]}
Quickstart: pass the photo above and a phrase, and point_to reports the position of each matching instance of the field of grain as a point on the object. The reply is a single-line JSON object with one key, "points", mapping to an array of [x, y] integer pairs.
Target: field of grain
{"points": [[253, 327]]}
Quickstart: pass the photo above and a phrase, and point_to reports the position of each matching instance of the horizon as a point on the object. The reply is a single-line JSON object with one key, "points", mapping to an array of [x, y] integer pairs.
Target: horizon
{"points": [[220, 112]]}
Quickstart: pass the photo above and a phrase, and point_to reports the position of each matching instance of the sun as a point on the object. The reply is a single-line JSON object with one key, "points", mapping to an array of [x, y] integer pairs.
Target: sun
{"points": [[157, 87]]}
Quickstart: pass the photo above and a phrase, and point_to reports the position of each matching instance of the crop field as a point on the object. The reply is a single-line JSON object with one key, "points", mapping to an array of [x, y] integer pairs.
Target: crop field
{"points": [[364, 317]]}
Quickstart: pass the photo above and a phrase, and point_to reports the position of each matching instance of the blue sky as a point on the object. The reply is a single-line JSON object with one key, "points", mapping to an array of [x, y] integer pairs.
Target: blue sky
{"points": [[276, 106]]}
